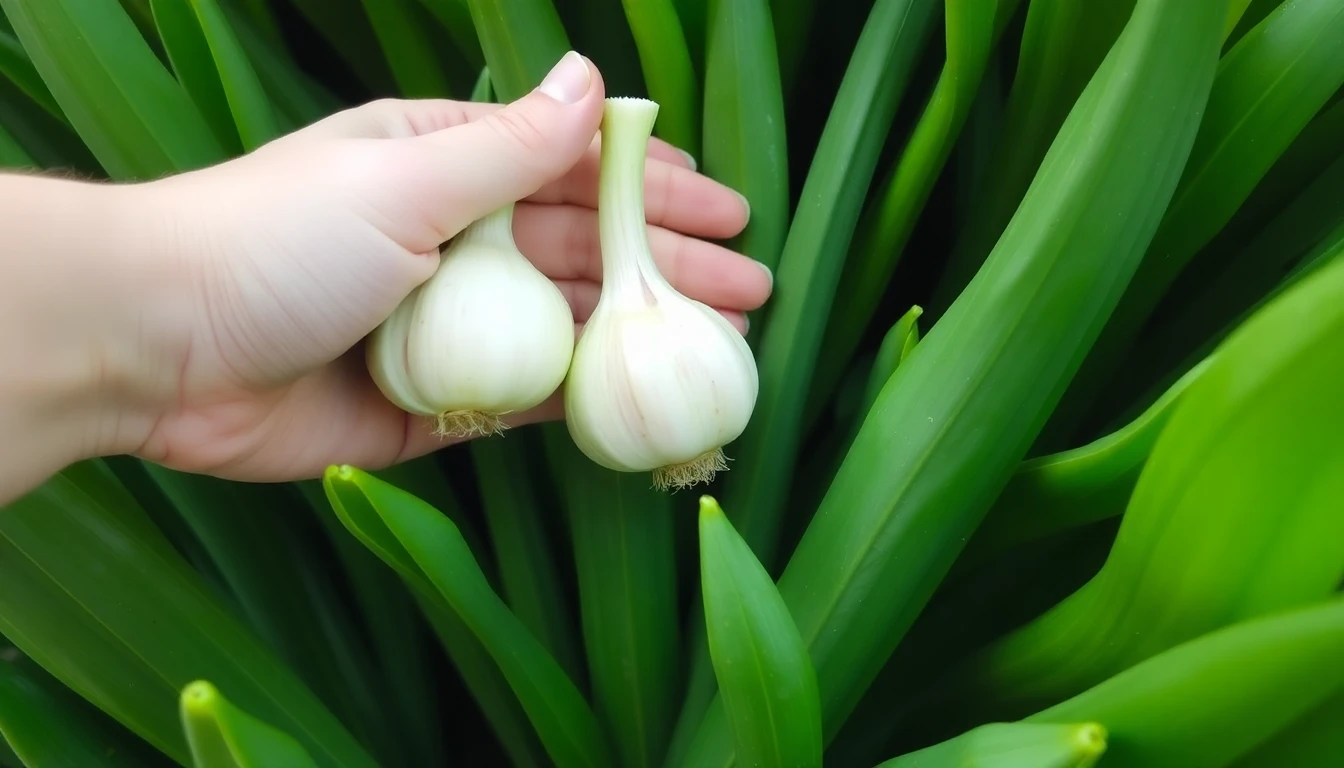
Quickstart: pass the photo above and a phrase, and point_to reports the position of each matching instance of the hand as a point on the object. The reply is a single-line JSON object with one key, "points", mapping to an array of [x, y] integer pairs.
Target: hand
{"points": [[286, 258]]}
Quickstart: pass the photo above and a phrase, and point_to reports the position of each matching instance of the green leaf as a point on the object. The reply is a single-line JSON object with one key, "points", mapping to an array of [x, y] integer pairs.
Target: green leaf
{"points": [[297, 99], [189, 53], [529, 574], [346, 29], [1211, 699], [483, 92], [887, 225], [768, 686], [415, 535], [521, 40], [745, 146], [794, 20], [98, 597], [1049, 494], [622, 533], [923, 469], [1063, 43], [1235, 515], [220, 67], [666, 62], [14, 64], [223, 736], [48, 724], [1013, 745], [1268, 87], [133, 115], [455, 16], [408, 48]]}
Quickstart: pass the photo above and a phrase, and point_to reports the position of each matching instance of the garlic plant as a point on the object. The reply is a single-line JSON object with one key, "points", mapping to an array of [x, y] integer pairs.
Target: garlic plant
{"points": [[487, 335], [659, 382]]}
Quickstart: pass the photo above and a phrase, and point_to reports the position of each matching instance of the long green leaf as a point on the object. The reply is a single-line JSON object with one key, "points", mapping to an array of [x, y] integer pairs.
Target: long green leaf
{"points": [[47, 724], [888, 225], [1210, 700], [189, 53], [297, 99], [622, 533], [1063, 43], [14, 64], [136, 119], [51, 143], [521, 40], [768, 686], [429, 540], [12, 154], [455, 16], [745, 146], [346, 30], [223, 736], [846, 158], [1236, 513], [666, 62], [1013, 745], [94, 594], [1312, 740], [923, 469], [1268, 87], [408, 48]]}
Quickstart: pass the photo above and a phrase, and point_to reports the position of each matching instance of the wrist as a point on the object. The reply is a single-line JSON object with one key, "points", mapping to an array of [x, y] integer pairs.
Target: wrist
{"points": [[90, 280]]}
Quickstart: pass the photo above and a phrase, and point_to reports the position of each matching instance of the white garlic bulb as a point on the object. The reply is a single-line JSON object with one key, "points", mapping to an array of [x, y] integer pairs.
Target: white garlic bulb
{"points": [[487, 335], [659, 382]]}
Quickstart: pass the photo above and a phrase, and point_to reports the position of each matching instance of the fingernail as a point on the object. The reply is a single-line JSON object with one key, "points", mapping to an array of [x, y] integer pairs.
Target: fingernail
{"points": [[689, 159], [769, 273], [745, 203], [568, 80]]}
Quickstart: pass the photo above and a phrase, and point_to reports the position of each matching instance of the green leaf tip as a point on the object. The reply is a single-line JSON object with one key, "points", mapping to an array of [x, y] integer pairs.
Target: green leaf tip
{"points": [[199, 696], [1090, 741], [343, 473], [709, 508]]}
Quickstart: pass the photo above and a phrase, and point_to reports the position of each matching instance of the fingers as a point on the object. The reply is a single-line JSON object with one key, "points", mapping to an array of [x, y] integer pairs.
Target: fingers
{"points": [[675, 196], [563, 242]]}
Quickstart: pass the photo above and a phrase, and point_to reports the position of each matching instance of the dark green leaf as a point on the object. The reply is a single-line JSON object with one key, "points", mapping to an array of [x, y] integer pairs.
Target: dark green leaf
{"points": [[666, 63], [521, 40], [14, 64], [765, 677], [223, 736], [408, 48]]}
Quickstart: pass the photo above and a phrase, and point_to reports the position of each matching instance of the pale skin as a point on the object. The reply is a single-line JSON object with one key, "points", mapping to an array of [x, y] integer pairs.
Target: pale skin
{"points": [[213, 321]]}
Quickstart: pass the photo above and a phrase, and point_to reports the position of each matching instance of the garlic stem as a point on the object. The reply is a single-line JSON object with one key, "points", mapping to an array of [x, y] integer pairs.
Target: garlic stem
{"points": [[627, 124]]}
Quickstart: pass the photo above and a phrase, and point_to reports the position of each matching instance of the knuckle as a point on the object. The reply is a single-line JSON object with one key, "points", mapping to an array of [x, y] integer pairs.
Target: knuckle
{"points": [[520, 128]]}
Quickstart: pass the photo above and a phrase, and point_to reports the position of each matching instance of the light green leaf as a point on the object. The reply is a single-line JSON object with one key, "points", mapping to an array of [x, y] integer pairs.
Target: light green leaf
{"points": [[1013, 745], [223, 736]]}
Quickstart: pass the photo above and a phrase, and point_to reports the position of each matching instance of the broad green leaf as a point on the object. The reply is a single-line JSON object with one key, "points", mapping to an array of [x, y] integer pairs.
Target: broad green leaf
{"points": [[189, 54], [1268, 87], [14, 64], [346, 29], [887, 226], [489, 689], [837, 181], [220, 67], [263, 544], [408, 48], [521, 40], [46, 723], [1235, 514], [530, 578], [767, 683], [223, 736], [1312, 740], [951, 425], [1212, 699], [665, 60], [1013, 745], [1049, 494], [136, 119], [744, 136], [94, 594], [12, 155], [1063, 43], [622, 531], [422, 537]]}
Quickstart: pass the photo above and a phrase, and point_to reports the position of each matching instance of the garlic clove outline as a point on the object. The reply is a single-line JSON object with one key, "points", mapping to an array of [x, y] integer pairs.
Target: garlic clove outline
{"points": [[486, 335], [659, 382]]}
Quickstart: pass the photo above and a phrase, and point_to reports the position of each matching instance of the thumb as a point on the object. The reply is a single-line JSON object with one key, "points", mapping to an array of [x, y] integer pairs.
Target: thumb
{"points": [[479, 166]]}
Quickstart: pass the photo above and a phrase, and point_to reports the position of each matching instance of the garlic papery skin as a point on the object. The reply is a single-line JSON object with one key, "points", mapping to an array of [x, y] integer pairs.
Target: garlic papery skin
{"points": [[659, 382], [487, 335]]}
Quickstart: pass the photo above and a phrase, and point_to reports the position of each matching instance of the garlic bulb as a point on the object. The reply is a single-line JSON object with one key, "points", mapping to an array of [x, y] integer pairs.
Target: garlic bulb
{"points": [[659, 382], [487, 335]]}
